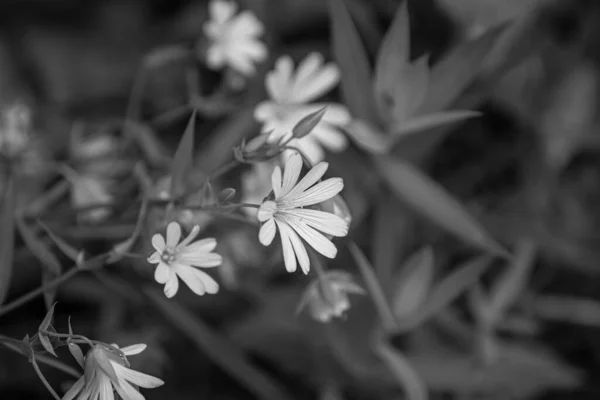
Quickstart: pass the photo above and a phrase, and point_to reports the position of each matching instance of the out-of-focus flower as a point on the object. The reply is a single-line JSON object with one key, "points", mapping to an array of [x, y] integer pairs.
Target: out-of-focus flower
{"points": [[181, 260], [89, 191], [17, 145], [291, 93], [287, 213], [106, 369], [234, 38], [327, 296]]}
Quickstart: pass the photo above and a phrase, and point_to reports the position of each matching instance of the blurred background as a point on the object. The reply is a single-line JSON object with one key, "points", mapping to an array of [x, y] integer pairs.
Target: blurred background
{"points": [[528, 170]]}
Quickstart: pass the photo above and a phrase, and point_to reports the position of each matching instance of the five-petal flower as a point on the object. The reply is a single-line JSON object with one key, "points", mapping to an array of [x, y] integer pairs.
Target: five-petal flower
{"points": [[179, 260], [287, 214], [234, 38]]}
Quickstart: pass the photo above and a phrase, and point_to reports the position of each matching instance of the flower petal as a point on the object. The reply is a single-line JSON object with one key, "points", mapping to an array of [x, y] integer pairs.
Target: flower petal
{"points": [[264, 111], [289, 257], [276, 181], [221, 10], [311, 236], [198, 281], [299, 250], [137, 378], [246, 24], [325, 222], [133, 349], [201, 246], [203, 260], [173, 234], [171, 286], [158, 242], [266, 234], [154, 258], [74, 390], [128, 392], [320, 83], [162, 273], [307, 68], [322, 191], [291, 173], [330, 137], [309, 179], [266, 210], [278, 80], [105, 390], [191, 236]]}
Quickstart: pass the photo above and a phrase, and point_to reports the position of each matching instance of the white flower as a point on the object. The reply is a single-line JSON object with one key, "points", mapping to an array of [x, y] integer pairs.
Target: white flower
{"points": [[287, 214], [234, 38], [176, 259], [291, 94], [106, 369]]}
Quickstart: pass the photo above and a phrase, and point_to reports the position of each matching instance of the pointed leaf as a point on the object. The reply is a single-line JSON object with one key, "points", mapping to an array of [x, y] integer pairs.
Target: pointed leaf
{"points": [[433, 201], [47, 319], [39, 249], [451, 76], [405, 374], [368, 137], [65, 247], [208, 195], [74, 348], [510, 285], [352, 60], [414, 283], [308, 123], [7, 233], [410, 89], [182, 161], [422, 123], [393, 54], [45, 341]]}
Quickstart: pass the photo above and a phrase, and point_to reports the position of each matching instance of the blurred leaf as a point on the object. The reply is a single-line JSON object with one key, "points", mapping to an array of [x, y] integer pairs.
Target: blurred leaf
{"points": [[149, 144], [221, 351], [431, 199], [160, 56], [374, 287], [354, 65], [368, 137], [393, 54], [183, 158], [208, 195], [385, 240], [401, 368], [424, 122], [39, 249], [410, 88], [510, 285], [566, 309], [7, 233], [308, 123], [414, 283], [456, 71], [446, 291], [65, 247]]}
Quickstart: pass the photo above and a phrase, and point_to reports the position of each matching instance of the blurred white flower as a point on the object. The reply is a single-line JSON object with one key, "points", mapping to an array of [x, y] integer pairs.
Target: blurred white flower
{"points": [[106, 369], [180, 260], [291, 93], [234, 38], [327, 296], [14, 132], [287, 214]]}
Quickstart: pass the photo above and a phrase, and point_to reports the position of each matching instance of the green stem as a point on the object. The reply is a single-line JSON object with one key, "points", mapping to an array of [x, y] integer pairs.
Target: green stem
{"points": [[83, 339], [51, 362], [43, 378]]}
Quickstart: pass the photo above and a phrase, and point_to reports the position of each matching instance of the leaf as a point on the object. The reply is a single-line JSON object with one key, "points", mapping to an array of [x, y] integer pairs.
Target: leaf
{"points": [[433, 201], [7, 233], [401, 368], [182, 161], [451, 76], [352, 60], [410, 88], [374, 287], [208, 195], [308, 123], [45, 341], [71, 252], [510, 285], [393, 54], [425, 122], [414, 283], [368, 137], [119, 250], [47, 319], [222, 352], [447, 291], [39, 249], [163, 55]]}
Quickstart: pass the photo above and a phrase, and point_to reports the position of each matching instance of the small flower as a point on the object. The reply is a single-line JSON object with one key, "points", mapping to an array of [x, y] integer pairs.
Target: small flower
{"points": [[234, 38], [291, 94], [287, 214], [327, 296], [176, 259], [106, 369]]}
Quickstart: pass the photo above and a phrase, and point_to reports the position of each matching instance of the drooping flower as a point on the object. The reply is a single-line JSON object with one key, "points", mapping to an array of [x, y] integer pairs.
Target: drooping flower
{"points": [[327, 296], [287, 214], [291, 95], [183, 259], [106, 369], [234, 38]]}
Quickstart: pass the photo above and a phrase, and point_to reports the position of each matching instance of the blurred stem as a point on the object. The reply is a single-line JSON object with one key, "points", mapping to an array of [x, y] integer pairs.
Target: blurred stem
{"points": [[14, 345], [42, 377]]}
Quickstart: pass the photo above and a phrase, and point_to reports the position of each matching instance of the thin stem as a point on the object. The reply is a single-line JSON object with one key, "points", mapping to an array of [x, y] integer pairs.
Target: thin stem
{"points": [[43, 378], [51, 362], [69, 336]]}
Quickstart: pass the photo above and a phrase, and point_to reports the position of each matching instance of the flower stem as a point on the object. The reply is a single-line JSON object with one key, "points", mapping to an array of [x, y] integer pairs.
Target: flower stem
{"points": [[42, 377]]}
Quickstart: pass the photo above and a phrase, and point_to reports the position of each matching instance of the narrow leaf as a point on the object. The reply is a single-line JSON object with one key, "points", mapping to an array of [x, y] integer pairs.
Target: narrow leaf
{"points": [[47, 319], [374, 287], [182, 160], [410, 89], [220, 350], [65, 247], [405, 374], [45, 341], [308, 123], [352, 60], [7, 233], [433, 201], [39, 249], [414, 283], [451, 76], [422, 123], [513, 281], [368, 137]]}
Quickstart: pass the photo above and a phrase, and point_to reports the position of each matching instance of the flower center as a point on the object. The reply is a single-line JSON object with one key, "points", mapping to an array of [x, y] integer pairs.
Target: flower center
{"points": [[168, 255]]}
